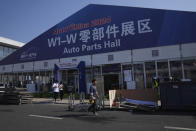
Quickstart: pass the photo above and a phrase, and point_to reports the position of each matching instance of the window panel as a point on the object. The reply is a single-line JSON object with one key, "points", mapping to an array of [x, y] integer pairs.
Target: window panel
{"points": [[176, 69], [139, 75], [163, 71], [190, 69], [150, 73], [1, 51]]}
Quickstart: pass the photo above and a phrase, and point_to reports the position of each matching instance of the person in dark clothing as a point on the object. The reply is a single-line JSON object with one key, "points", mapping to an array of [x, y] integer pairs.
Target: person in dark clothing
{"points": [[61, 90], [93, 96]]}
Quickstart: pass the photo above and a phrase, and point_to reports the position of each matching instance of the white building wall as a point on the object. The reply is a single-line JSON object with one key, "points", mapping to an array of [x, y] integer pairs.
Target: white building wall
{"points": [[119, 57], [17, 68], [39, 65], [77, 59], [189, 50], [52, 62], [165, 52], [28, 66], [139, 55], [7, 68]]}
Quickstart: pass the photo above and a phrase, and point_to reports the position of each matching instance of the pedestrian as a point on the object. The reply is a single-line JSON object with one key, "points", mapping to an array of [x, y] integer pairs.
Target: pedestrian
{"points": [[61, 90], [55, 90], [93, 96]]}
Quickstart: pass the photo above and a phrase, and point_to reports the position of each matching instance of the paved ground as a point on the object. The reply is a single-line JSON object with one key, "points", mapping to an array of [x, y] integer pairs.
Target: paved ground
{"points": [[64, 101], [55, 117]]}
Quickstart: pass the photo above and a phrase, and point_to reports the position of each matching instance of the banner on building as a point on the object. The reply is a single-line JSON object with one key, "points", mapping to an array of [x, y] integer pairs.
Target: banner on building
{"points": [[102, 28]]}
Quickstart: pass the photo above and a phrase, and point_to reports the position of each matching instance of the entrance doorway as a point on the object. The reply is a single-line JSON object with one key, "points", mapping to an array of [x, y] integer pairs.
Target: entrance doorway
{"points": [[111, 82], [70, 78]]}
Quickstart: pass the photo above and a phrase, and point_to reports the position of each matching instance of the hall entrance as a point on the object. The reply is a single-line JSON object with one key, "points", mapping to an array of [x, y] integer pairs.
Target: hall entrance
{"points": [[111, 82], [70, 78]]}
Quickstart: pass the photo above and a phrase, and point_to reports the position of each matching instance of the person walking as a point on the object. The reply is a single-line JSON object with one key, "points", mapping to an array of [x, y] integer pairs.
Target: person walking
{"points": [[93, 96], [55, 90], [61, 90]]}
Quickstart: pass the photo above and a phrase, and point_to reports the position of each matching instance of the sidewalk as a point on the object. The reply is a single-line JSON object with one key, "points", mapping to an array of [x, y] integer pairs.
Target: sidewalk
{"points": [[64, 101]]}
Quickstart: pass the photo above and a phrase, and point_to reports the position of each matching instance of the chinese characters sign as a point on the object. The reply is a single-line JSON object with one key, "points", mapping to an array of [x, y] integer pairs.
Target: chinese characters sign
{"points": [[102, 35]]}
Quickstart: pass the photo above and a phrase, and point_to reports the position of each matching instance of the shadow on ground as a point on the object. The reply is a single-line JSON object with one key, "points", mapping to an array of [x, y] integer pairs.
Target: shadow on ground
{"points": [[49, 102], [90, 117], [6, 110]]}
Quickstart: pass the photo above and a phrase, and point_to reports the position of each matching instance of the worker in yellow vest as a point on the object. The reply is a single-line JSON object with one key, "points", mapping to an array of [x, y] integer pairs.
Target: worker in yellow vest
{"points": [[155, 85], [155, 82]]}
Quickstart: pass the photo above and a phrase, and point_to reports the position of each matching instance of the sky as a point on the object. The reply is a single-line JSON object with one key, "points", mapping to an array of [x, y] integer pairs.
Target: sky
{"points": [[23, 20]]}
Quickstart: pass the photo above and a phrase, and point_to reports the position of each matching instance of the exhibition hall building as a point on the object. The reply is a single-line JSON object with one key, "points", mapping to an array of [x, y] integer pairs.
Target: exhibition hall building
{"points": [[124, 46]]}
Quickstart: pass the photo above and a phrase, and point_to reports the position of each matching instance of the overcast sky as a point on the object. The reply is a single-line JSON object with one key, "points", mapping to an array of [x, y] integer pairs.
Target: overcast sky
{"points": [[23, 20]]}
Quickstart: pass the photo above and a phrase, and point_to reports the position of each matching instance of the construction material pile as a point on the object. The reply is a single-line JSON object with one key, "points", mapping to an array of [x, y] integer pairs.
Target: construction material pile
{"points": [[15, 96]]}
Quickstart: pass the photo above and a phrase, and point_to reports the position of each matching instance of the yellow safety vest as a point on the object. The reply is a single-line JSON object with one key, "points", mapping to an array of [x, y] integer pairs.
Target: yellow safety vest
{"points": [[155, 84]]}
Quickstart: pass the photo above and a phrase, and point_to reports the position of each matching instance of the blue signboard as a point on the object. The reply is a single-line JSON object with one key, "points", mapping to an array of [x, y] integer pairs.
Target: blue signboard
{"points": [[102, 28]]}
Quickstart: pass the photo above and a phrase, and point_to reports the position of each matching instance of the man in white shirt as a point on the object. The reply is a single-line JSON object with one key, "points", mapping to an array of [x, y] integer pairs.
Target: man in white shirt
{"points": [[56, 90]]}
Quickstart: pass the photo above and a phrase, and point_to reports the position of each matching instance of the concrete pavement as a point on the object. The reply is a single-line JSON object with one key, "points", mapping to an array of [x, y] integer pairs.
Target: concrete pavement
{"points": [[64, 101], [50, 117]]}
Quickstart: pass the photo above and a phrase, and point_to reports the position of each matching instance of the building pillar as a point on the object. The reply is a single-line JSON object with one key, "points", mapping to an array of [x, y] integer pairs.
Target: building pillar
{"points": [[27, 77], [17, 78], [22, 77], [0, 78], [121, 77], [92, 73], [144, 68], [169, 68], [52, 73], [101, 69], [45, 76], [181, 58], [59, 77], [182, 65], [33, 73], [133, 76], [39, 76], [156, 69]]}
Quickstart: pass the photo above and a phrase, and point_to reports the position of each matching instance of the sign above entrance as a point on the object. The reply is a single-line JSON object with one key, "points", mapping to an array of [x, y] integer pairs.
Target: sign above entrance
{"points": [[67, 65]]}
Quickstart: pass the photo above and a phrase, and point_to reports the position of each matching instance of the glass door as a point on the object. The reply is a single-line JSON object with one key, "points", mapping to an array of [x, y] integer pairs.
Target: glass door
{"points": [[150, 73], [176, 70], [163, 71], [139, 76]]}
